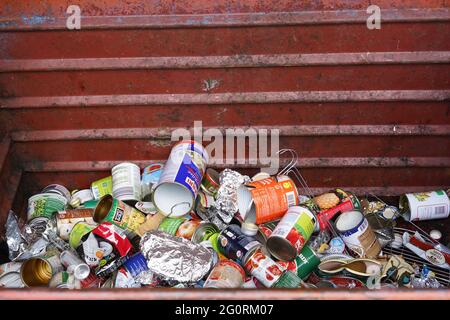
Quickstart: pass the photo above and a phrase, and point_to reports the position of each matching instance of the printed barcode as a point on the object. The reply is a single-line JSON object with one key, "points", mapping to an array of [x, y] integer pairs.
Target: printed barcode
{"points": [[439, 210], [290, 196], [125, 191]]}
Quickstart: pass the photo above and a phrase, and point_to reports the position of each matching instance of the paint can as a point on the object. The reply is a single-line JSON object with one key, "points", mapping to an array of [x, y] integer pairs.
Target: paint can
{"points": [[181, 178], [149, 179], [118, 213], [11, 280], [235, 245], [65, 220], [74, 265], [126, 181], [36, 272], [102, 187], [358, 234], [45, 205], [58, 189], [225, 274], [136, 264], [204, 231], [267, 199], [304, 264], [262, 267], [211, 183], [291, 233], [425, 205], [79, 197]]}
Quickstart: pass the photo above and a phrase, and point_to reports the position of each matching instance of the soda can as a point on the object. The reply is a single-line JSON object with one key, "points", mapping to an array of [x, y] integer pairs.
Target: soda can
{"points": [[79, 230], [149, 179], [65, 220], [74, 265], [225, 274], [210, 183], [126, 181], [11, 280], [36, 272], [79, 197], [357, 234], [118, 213], [136, 264], [235, 245], [45, 205], [267, 199], [291, 233], [101, 188], [262, 267], [204, 231], [425, 205], [58, 189], [181, 178], [304, 264]]}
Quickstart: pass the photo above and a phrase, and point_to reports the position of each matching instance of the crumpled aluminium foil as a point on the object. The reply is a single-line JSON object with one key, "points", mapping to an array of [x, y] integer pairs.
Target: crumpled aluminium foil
{"points": [[226, 204], [174, 258]]}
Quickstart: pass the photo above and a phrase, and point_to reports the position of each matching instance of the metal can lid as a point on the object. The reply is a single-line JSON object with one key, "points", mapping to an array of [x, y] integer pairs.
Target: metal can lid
{"points": [[435, 234], [260, 176], [249, 229]]}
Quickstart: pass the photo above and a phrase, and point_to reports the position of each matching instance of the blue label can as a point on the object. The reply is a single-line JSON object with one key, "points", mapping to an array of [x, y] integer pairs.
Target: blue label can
{"points": [[235, 245], [181, 179], [136, 264]]}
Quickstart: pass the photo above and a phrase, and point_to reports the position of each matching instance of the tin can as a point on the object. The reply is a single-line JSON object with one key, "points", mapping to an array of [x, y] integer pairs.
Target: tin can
{"points": [[74, 265], [60, 280], [210, 183], [91, 281], [425, 205], [292, 232], [181, 178], [149, 179], [79, 197], [136, 264], [57, 189], [79, 230], [304, 264], [122, 278], [265, 230], [11, 280], [126, 181], [10, 267], [262, 267], [65, 220], [118, 213], [226, 274], [204, 231], [235, 245], [187, 228], [267, 199], [202, 203], [102, 187], [45, 205], [171, 225], [36, 272], [358, 234], [288, 280]]}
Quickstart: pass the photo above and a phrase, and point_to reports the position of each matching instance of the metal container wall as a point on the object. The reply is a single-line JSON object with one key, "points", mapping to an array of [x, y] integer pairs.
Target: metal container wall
{"points": [[367, 110]]}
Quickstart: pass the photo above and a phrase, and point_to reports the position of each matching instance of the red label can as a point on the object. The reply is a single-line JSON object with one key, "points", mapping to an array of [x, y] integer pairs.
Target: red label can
{"points": [[263, 268]]}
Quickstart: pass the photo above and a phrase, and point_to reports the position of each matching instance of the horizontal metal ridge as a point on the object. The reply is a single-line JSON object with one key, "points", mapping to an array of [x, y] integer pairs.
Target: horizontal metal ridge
{"points": [[224, 20], [225, 98], [165, 133], [235, 61]]}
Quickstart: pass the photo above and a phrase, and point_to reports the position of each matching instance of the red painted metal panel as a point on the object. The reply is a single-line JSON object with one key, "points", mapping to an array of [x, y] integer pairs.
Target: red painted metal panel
{"points": [[367, 110]]}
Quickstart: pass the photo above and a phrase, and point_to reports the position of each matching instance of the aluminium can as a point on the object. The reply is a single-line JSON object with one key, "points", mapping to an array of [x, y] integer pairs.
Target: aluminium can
{"points": [[263, 267], [234, 244], [181, 178], [291, 233], [65, 220], [425, 205], [267, 199], [225, 274], [126, 181], [102, 187]]}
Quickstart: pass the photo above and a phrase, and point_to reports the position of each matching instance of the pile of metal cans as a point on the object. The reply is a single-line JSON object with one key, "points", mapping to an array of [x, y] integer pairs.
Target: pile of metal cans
{"points": [[181, 224]]}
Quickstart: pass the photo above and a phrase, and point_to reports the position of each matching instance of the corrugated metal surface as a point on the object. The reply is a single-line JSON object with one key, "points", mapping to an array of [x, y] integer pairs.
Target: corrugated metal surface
{"points": [[367, 110]]}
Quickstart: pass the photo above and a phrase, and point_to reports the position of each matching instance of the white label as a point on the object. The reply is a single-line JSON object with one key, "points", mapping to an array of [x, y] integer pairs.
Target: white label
{"points": [[429, 205]]}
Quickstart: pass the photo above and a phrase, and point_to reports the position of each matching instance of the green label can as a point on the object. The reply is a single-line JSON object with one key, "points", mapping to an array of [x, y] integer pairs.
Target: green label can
{"points": [[304, 264], [171, 225], [288, 280], [78, 231], [102, 187], [45, 205]]}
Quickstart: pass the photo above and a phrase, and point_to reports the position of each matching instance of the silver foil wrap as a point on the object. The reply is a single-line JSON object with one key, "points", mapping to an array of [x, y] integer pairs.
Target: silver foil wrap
{"points": [[226, 204], [175, 259]]}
